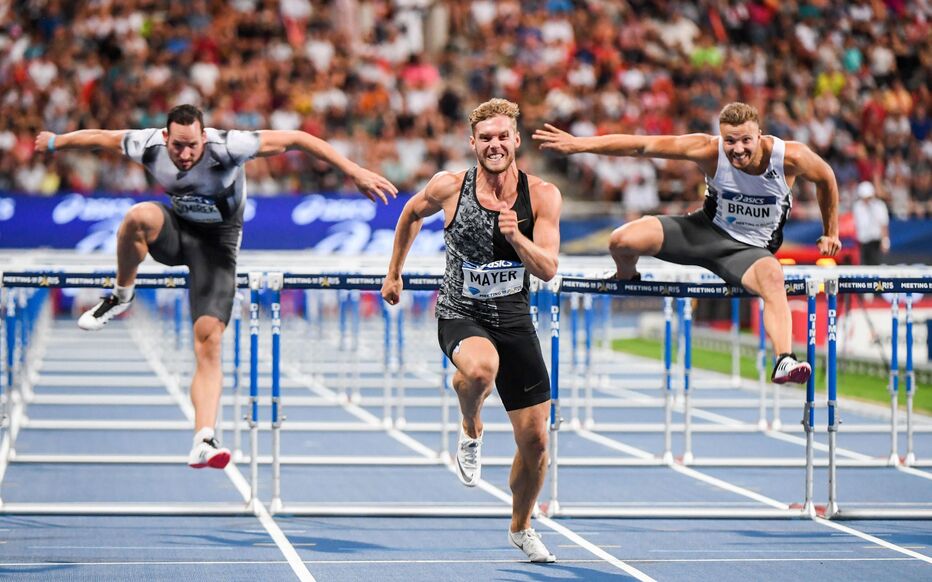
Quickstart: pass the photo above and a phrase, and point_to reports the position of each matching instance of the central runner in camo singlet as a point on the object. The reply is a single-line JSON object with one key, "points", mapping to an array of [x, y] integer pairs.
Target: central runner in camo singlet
{"points": [[484, 279], [502, 226]]}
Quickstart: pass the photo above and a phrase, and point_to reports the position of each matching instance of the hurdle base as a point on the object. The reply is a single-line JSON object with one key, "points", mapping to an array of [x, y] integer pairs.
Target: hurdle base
{"points": [[882, 514], [581, 511], [103, 508], [393, 510]]}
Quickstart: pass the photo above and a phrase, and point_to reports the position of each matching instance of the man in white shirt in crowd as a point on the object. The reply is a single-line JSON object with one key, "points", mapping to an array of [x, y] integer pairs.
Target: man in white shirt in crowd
{"points": [[871, 223]]}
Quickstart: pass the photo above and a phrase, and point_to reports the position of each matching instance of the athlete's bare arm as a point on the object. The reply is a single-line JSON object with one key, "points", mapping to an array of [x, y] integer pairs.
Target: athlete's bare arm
{"points": [[104, 139], [696, 147], [373, 186], [802, 161], [441, 193], [540, 256]]}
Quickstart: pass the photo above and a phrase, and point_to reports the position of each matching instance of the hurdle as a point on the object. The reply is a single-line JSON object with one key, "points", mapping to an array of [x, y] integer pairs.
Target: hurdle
{"points": [[23, 346], [369, 283]]}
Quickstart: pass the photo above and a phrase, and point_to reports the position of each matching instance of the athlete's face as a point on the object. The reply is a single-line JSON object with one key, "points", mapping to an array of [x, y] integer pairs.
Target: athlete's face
{"points": [[185, 144], [741, 143], [495, 140]]}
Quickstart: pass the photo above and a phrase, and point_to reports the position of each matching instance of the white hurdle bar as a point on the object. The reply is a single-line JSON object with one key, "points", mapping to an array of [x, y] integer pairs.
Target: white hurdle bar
{"points": [[614, 288]]}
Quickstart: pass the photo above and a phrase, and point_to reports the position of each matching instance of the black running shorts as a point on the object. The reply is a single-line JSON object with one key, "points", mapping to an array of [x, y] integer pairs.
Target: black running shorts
{"points": [[693, 240], [209, 252], [522, 378]]}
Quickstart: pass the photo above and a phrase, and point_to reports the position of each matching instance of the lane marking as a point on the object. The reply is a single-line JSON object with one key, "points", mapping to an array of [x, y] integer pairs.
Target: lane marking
{"points": [[231, 471], [873, 539], [763, 499], [318, 388], [355, 562]]}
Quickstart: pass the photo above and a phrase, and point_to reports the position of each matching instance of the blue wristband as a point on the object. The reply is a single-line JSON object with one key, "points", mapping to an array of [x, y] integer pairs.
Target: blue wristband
{"points": [[51, 146]]}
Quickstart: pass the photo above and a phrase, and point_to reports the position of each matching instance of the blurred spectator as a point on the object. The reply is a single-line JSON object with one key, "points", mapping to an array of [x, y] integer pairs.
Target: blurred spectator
{"points": [[394, 78], [871, 224]]}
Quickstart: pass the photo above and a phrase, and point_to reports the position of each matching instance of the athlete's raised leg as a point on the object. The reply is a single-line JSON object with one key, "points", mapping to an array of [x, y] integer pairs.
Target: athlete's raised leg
{"points": [[140, 227], [629, 242]]}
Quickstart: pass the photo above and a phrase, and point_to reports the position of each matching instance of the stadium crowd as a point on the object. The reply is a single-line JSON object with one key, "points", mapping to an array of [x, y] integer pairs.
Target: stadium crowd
{"points": [[389, 82]]}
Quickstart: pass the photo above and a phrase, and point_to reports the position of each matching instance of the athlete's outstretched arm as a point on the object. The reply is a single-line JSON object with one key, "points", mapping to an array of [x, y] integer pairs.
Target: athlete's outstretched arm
{"points": [[425, 203], [541, 255], [696, 147], [105, 139], [375, 187], [802, 161]]}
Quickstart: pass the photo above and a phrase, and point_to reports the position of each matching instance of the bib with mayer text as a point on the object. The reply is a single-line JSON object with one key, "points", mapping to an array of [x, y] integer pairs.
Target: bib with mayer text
{"points": [[495, 279]]}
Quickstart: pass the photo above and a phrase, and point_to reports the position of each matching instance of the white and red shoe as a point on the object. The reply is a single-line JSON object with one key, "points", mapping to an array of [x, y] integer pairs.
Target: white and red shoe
{"points": [[207, 452], [788, 369]]}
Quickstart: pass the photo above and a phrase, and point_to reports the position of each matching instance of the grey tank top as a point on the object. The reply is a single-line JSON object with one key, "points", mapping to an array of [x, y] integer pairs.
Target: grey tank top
{"points": [[485, 280]]}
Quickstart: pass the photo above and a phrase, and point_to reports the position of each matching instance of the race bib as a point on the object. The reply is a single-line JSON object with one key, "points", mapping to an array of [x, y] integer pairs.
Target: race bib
{"points": [[197, 208], [496, 279], [745, 210]]}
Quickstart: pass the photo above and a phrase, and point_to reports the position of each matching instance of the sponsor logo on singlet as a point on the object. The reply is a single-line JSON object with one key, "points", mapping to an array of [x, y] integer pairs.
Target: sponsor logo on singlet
{"points": [[738, 208], [197, 208], [495, 279]]}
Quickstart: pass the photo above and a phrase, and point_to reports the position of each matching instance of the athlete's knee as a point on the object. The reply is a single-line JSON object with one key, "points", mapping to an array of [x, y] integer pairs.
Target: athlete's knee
{"points": [[480, 373], [142, 219], [208, 335], [621, 240], [770, 279], [532, 442], [643, 236]]}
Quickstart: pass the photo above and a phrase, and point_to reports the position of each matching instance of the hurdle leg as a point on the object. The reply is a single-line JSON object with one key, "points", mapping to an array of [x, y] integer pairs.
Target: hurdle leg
{"points": [[388, 317], [910, 382], [831, 370], [237, 379], [762, 382], [812, 288], [589, 420], [735, 342], [255, 282], [668, 379], [399, 367], [574, 358], [275, 281], [687, 369], [355, 391], [444, 451], [894, 384], [556, 420]]}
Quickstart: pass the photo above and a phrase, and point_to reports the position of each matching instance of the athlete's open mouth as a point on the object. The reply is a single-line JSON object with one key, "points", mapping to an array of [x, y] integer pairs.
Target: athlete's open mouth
{"points": [[495, 157]]}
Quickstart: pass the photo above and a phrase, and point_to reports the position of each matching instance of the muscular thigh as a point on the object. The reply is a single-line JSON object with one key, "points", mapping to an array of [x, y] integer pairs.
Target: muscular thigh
{"points": [[211, 265], [694, 240], [167, 246], [522, 379]]}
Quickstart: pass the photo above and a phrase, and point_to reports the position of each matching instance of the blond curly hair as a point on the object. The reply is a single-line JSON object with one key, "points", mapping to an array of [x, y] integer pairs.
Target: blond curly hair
{"points": [[494, 108]]}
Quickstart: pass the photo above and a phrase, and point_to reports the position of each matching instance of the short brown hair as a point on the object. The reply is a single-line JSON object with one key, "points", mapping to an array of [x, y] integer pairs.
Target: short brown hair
{"points": [[185, 115], [737, 113], [494, 108]]}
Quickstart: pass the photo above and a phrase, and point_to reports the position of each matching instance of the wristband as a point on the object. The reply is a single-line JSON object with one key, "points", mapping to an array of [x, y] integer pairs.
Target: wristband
{"points": [[51, 146]]}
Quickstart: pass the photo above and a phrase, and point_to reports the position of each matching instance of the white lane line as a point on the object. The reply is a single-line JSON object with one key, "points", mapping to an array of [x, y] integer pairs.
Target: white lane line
{"points": [[172, 548], [763, 499], [915, 472], [416, 445], [231, 471], [613, 444], [375, 562], [873, 539]]}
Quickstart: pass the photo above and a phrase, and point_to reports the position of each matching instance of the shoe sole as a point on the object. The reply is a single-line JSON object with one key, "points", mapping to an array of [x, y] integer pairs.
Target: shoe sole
{"points": [[798, 375], [548, 560], [218, 461]]}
